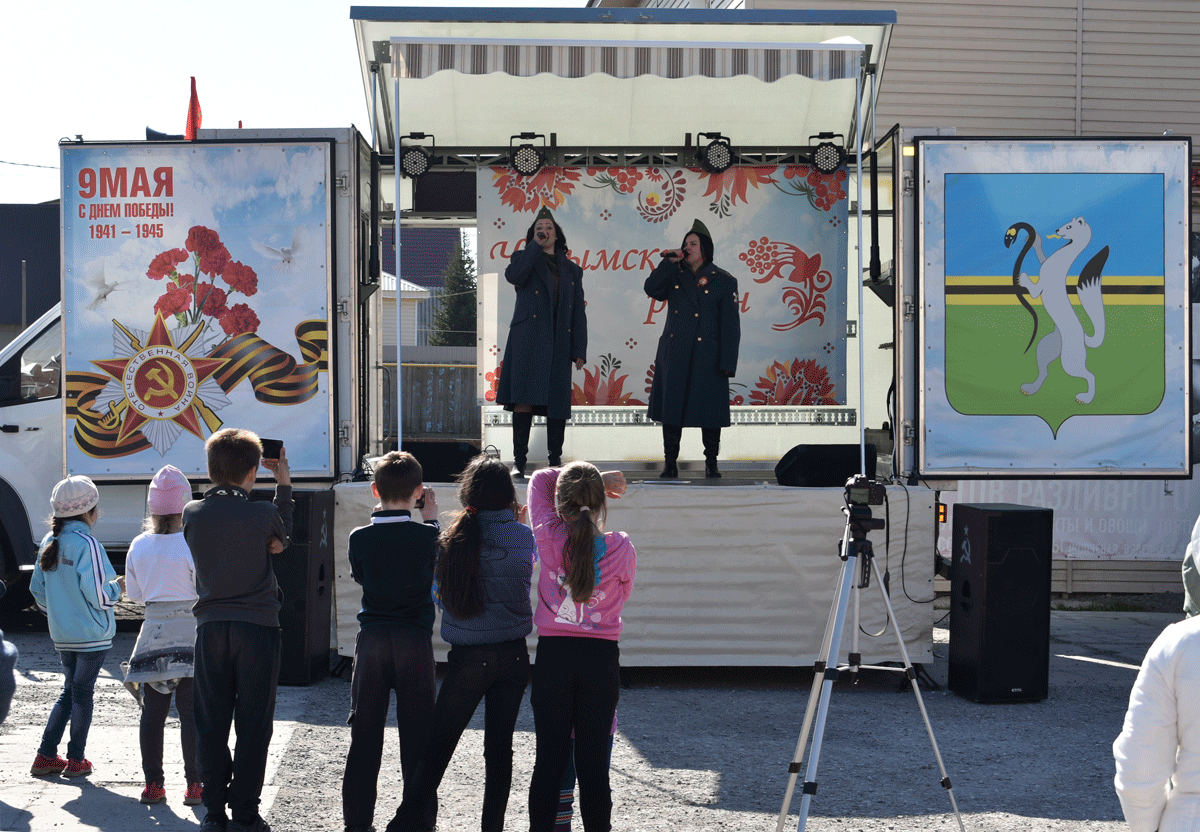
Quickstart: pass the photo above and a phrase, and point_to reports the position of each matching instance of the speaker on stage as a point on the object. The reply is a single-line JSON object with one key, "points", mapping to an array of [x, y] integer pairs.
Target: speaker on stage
{"points": [[824, 466], [1000, 602], [305, 574]]}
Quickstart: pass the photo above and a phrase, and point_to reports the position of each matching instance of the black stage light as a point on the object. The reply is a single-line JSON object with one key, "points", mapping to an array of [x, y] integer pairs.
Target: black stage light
{"points": [[717, 156], [827, 157], [415, 161], [526, 159]]}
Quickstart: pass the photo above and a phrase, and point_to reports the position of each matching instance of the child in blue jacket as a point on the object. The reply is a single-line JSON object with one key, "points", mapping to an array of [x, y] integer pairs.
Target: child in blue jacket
{"points": [[75, 585]]}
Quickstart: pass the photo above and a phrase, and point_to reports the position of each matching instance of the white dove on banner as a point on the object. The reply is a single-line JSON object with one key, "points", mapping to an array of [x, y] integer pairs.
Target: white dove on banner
{"points": [[284, 259]]}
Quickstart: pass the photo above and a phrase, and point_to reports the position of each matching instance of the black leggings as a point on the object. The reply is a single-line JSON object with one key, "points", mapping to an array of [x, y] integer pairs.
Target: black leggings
{"points": [[155, 707], [576, 684]]}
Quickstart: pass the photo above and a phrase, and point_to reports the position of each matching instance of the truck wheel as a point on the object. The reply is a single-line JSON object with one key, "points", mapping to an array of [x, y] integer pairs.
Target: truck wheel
{"points": [[18, 596]]}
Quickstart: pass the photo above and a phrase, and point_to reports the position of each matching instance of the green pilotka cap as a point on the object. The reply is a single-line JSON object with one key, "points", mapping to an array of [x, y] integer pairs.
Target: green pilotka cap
{"points": [[544, 214], [698, 228]]}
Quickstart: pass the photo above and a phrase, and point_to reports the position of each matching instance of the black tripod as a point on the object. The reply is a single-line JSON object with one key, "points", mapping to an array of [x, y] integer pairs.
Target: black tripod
{"points": [[853, 547]]}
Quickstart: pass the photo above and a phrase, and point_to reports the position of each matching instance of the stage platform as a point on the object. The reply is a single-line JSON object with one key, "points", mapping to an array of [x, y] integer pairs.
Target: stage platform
{"points": [[731, 572]]}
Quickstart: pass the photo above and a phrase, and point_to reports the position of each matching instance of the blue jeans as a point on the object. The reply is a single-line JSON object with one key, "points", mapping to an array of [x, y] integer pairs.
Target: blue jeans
{"points": [[499, 674], [74, 703], [387, 657]]}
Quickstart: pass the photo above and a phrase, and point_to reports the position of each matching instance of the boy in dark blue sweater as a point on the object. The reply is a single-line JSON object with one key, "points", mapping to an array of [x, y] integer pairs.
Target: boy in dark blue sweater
{"points": [[393, 559]]}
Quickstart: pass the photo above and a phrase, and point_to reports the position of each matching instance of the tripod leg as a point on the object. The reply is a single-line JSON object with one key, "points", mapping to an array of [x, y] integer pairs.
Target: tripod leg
{"points": [[821, 667], [916, 688]]}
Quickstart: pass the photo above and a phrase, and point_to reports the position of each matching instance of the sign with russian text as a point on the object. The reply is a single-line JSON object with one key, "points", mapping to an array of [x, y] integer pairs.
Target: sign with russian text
{"points": [[779, 230], [1054, 295], [195, 297]]}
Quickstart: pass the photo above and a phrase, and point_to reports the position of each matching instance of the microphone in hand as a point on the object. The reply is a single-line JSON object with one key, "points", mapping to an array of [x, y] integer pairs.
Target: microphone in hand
{"points": [[672, 254]]}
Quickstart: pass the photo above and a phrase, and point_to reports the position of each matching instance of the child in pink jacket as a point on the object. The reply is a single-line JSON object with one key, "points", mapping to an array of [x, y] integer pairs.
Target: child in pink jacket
{"points": [[586, 576]]}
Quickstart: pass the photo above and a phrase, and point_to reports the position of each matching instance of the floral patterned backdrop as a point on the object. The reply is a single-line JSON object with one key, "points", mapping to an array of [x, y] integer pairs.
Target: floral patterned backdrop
{"points": [[780, 230]]}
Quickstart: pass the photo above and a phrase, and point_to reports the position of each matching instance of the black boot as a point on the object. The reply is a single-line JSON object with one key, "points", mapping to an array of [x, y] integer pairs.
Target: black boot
{"points": [[671, 437], [521, 422], [556, 431], [712, 445]]}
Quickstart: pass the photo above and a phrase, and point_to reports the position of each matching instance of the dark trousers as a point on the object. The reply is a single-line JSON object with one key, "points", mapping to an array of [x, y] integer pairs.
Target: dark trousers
{"points": [[237, 672], [74, 704], [387, 657], [576, 684], [155, 707], [566, 798], [497, 674]]}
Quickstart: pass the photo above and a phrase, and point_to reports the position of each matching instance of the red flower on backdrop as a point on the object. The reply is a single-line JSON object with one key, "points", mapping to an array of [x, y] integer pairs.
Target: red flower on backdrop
{"points": [[239, 318], [773, 260], [823, 190], [728, 187], [549, 187], [175, 301], [604, 386], [241, 278], [165, 263], [203, 241], [188, 296], [213, 300], [801, 381], [493, 379], [621, 180], [650, 376]]}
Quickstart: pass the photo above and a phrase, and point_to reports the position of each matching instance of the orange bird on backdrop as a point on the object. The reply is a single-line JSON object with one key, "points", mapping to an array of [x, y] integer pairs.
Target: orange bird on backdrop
{"points": [[194, 116]]}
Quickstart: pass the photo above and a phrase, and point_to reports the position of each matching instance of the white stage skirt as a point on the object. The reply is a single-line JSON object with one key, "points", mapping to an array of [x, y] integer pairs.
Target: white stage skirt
{"points": [[730, 574]]}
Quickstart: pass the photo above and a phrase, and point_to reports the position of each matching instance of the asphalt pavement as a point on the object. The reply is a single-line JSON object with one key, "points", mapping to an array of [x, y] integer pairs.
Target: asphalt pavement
{"points": [[698, 749]]}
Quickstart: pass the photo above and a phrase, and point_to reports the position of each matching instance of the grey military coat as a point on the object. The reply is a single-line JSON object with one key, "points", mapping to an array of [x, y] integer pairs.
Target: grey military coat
{"points": [[698, 349], [542, 341]]}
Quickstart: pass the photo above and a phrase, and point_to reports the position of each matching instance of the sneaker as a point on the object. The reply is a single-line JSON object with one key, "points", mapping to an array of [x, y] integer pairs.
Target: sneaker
{"points": [[43, 765], [214, 823], [154, 793], [78, 768], [194, 795], [256, 825]]}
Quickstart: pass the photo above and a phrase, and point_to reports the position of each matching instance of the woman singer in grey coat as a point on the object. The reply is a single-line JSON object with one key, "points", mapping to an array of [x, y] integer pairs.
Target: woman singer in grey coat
{"points": [[547, 335], [698, 349]]}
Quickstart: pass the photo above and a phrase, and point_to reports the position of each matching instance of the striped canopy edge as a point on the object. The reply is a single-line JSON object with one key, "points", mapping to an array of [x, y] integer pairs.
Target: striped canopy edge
{"points": [[417, 58]]}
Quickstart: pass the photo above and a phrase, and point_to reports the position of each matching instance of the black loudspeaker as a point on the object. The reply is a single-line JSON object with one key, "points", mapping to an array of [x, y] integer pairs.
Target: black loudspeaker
{"points": [[304, 571], [1000, 602], [825, 466]]}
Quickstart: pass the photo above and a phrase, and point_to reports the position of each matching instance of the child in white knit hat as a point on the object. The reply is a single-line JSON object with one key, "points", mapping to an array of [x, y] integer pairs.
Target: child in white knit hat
{"points": [[75, 585], [160, 573]]}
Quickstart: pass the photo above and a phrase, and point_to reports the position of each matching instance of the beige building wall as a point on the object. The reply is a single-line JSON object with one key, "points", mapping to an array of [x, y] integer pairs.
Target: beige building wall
{"points": [[1038, 67]]}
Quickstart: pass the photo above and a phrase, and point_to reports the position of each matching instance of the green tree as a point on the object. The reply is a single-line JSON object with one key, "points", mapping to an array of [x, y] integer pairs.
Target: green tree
{"points": [[454, 320]]}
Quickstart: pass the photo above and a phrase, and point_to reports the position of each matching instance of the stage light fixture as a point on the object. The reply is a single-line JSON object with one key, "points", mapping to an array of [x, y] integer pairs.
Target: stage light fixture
{"points": [[827, 157], [717, 156], [526, 159], [415, 161]]}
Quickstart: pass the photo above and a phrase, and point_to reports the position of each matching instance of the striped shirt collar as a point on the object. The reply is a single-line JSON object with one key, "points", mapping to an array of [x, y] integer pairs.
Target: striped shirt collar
{"points": [[398, 515]]}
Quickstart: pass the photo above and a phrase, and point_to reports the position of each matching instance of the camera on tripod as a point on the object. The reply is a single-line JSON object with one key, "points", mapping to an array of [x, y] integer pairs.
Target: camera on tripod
{"points": [[863, 491]]}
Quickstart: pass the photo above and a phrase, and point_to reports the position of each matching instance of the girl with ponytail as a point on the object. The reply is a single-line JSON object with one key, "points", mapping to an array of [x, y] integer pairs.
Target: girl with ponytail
{"points": [[75, 586], [483, 578], [586, 576]]}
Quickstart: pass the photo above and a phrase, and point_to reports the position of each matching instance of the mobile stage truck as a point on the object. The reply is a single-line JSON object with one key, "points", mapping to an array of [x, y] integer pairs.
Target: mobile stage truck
{"points": [[634, 123]]}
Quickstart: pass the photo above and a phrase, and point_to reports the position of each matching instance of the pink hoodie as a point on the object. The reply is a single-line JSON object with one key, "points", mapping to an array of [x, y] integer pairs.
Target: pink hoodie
{"points": [[558, 614]]}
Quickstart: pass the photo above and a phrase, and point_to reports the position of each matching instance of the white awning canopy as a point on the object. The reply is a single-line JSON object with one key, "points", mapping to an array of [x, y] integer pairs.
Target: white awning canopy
{"points": [[617, 78]]}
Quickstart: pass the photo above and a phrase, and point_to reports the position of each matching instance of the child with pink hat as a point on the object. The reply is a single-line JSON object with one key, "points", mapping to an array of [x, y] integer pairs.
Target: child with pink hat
{"points": [[160, 573]]}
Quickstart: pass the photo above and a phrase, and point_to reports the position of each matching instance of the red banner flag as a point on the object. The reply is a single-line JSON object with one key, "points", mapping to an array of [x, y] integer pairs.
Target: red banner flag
{"points": [[194, 116]]}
